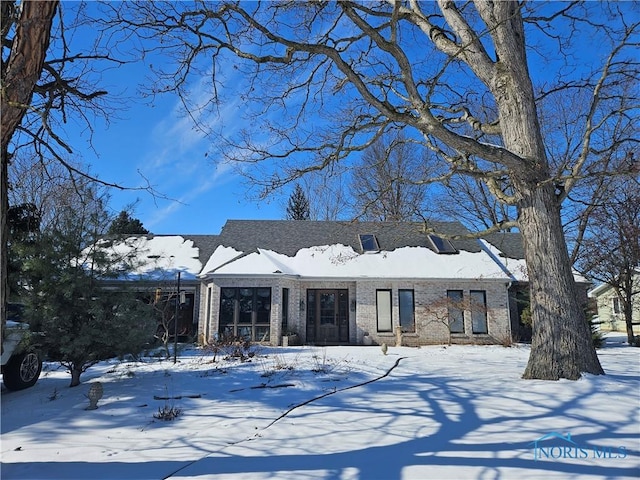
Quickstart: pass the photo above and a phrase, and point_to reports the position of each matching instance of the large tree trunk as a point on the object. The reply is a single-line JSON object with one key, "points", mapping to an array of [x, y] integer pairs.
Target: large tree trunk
{"points": [[627, 306], [4, 255], [631, 340], [75, 376], [20, 74], [561, 346]]}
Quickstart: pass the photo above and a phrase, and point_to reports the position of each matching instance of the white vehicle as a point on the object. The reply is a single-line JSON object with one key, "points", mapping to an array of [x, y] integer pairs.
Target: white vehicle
{"points": [[21, 363]]}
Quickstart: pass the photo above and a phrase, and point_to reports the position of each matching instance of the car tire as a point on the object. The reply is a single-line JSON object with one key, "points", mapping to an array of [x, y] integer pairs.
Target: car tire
{"points": [[22, 370]]}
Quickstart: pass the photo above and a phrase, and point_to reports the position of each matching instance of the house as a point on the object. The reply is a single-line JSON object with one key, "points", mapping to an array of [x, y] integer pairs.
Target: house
{"points": [[333, 283], [610, 309]]}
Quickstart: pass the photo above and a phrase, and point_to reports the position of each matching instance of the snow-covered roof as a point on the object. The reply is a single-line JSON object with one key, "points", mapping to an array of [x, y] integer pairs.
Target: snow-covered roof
{"points": [[221, 256], [599, 290], [514, 268], [157, 257], [604, 287], [296, 248], [342, 261]]}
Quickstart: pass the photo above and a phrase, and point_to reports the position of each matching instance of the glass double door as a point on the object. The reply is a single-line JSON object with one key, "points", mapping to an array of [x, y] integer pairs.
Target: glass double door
{"points": [[328, 316]]}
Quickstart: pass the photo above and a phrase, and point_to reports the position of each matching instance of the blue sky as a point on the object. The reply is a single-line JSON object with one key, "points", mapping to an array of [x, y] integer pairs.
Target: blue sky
{"points": [[157, 143]]}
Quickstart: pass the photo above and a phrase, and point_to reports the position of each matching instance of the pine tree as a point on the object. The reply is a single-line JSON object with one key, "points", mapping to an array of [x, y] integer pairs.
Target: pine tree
{"points": [[82, 322], [24, 225], [125, 224], [298, 206]]}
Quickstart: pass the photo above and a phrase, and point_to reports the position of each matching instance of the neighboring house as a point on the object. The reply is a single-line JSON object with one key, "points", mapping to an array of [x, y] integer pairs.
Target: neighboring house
{"points": [[609, 306], [334, 283], [153, 263]]}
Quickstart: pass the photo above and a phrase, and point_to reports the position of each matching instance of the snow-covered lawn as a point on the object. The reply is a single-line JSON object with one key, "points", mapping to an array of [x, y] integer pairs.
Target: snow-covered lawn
{"points": [[457, 412]]}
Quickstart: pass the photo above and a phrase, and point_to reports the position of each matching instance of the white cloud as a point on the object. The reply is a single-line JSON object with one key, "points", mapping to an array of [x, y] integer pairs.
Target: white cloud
{"points": [[178, 162]]}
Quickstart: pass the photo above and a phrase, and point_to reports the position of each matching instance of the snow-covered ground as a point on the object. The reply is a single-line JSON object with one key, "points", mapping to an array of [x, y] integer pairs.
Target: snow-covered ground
{"points": [[459, 412]]}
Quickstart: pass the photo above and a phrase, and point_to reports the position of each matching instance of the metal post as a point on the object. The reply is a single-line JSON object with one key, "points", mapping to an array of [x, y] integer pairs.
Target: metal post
{"points": [[175, 324]]}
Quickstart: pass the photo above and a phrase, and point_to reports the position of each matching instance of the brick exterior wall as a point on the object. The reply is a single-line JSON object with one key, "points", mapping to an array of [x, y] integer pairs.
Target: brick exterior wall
{"points": [[429, 311]]}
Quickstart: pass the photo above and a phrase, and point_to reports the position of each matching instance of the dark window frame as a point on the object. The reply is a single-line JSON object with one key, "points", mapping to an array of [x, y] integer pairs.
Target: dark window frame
{"points": [[369, 242], [616, 305], [455, 310], [479, 313], [442, 246], [256, 329], [390, 312], [407, 327], [285, 310]]}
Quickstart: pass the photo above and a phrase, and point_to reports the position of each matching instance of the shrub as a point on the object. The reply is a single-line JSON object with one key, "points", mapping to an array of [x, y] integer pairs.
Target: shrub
{"points": [[167, 413]]}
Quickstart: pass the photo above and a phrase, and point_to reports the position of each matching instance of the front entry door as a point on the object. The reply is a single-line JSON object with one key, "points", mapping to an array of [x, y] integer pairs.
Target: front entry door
{"points": [[328, 316]]}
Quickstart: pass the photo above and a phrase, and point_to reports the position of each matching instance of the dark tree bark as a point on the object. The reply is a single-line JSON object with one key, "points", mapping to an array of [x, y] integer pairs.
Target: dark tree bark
{"points": [[561, 343], [75, 377], [20, 73]]}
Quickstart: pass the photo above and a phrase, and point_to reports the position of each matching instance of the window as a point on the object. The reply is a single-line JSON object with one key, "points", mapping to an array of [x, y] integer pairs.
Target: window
{"points": [[478, 311], [383, 309], [246, 313], [616, 306], [406, 304], [442, 245], [369, 243], [456, 311], [285, 310], [207, 324]]}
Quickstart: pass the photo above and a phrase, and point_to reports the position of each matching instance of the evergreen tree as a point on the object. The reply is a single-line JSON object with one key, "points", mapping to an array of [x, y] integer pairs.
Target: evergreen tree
{"points": [[125, 224], [298, 206], [81, 321], [24, 226]]}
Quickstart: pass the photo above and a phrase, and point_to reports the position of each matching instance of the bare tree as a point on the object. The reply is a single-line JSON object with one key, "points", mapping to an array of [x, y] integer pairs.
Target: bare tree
{"points": [[328, 195], [40, 90], [46, 193], [450, 311], [611, 249], [470, 200], [562, 112], [354, 72], [387, 181], [165, 314], [47, 185]]}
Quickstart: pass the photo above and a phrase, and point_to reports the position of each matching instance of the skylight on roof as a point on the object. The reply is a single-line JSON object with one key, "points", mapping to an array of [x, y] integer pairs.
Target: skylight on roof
{"points": [[442, 245], [369, 242]]}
